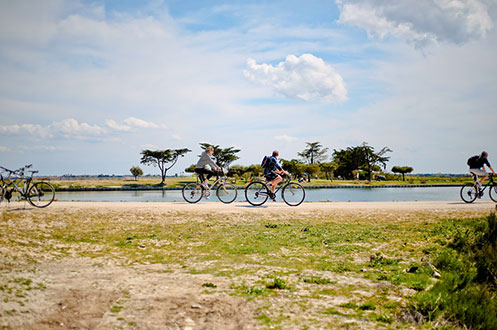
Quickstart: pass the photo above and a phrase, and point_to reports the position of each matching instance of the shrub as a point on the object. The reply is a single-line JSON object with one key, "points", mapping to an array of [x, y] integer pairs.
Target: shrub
{"points": [[466, 295]]}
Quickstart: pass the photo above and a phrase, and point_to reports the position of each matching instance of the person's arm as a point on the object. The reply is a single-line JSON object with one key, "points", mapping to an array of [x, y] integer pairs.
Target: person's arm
{"points": [[490, 167], [212, 163]]}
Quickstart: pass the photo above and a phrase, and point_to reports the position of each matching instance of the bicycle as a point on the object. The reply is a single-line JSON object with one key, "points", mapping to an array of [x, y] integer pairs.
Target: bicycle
{"points": [[226, 192], [258, 192], [16, 184], [470, 191]]}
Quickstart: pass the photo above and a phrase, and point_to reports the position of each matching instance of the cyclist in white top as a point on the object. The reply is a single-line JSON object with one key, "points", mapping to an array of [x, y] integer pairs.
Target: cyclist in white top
{"points": [[206, 165], [477, 166]]}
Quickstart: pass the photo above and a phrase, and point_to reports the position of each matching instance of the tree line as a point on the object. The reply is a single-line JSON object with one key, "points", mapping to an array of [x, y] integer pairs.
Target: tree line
{"points": [[352, 163]]}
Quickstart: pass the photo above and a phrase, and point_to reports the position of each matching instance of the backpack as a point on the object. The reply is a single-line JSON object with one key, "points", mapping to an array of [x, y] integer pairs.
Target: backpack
{"points": [[473, 161], [265, 161]]}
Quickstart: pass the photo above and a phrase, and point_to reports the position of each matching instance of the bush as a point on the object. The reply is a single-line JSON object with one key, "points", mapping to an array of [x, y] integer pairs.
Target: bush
{"points": [[467, 293]]}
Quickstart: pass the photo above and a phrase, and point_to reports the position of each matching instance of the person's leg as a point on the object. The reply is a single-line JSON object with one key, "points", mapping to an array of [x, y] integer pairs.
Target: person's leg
{"points": [[275, 182]]}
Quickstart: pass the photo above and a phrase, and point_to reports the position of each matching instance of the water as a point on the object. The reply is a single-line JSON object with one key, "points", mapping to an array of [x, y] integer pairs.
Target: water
{"points": [[312, 195]]}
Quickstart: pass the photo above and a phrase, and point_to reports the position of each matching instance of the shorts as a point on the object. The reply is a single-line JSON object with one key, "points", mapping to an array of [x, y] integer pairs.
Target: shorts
{"points": [[477, 172], [271, 176]]}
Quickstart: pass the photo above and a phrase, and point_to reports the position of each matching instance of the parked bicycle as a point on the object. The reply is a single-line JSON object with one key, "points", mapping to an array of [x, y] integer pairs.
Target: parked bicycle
{"points": [[17, 185], [226, 192], [470, 191], [258, 192]]}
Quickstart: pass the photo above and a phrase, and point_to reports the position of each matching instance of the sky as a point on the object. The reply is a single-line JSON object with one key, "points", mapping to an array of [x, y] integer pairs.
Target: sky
{"points": [[85, 86]]}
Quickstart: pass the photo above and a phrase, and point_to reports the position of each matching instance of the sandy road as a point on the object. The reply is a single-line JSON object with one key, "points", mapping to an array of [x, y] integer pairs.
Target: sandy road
{"points": [[272, 207]]}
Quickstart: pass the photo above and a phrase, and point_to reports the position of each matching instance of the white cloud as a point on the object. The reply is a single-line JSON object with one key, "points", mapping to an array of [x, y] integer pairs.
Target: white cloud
{"points": [[4, 148], [71, 128], [306, 78], [117, 127], [421, 21], [285, 138], [136, 122]]}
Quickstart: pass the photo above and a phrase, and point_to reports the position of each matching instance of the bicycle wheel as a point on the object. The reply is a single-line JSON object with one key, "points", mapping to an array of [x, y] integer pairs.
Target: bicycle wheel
{"points": [[192, 192], [41, 194], [293, 194], [493, 192], [256, 193], [469, 192], [1, 194], [226, 192]]}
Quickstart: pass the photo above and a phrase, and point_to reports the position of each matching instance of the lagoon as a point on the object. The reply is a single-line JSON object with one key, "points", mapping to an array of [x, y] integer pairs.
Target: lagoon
{"points": [[373, 194]]}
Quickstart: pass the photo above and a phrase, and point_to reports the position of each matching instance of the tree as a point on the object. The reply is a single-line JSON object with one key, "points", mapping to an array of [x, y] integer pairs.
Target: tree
{"points": [[402, 170], [373, 159], [163, 159], [136, 171], [314, 153], [294, 167], [361, 157], [222, 157], [328, 169]]}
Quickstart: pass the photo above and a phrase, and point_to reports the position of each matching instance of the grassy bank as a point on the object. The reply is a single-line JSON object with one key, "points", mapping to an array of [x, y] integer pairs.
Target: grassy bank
{"points": [[321, 269]]}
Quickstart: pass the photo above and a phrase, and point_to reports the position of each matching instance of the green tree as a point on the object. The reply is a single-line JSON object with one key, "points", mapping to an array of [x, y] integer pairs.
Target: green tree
{"points": [[311, 170], [314, 153], [362, 157], [190, 169], [402, 170], [136, 171], [163, 159], [372, 160], [222, 157], [294, 166], [328, 169]]}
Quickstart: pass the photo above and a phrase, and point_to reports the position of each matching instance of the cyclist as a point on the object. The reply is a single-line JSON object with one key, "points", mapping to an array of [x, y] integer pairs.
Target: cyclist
{"points": [[477, 166], [272, 172], [206, 165]]}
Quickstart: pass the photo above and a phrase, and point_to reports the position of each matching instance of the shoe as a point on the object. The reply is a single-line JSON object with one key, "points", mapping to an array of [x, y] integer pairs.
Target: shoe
{"points": [[207, 194], [272, 196], [205, 185]]}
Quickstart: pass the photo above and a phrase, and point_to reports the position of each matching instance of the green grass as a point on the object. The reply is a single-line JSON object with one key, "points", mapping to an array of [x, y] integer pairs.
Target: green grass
{"points": [[276, 260]]}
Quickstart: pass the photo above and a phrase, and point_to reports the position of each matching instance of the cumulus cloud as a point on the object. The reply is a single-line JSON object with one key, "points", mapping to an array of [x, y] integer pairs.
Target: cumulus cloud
{"points": [[421, 21], [136, 122], [306, 78], [285, 138]]}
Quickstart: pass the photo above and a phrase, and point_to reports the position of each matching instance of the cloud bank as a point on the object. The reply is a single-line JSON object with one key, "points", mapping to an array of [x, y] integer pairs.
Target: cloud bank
{"points": [[305, 78], [421, 21], [71, 128]]}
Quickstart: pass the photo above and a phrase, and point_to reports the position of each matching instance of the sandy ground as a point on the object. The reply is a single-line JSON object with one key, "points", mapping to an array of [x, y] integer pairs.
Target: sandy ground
{"points": [[84, 293], [270, 206]]}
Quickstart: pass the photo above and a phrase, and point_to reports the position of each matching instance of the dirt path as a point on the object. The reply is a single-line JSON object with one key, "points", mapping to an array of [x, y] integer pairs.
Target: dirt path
{"points": [[271, 207]]}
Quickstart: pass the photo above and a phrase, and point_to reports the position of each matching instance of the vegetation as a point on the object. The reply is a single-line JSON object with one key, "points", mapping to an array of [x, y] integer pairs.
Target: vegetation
{"points": [[314, 153], [402, 170], [288, 266], [136, 171], [163, 159], [361, 157], [467, 293]]}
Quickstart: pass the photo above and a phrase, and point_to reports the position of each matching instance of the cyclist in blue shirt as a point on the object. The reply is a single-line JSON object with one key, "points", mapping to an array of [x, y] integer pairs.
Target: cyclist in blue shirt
{"points": [[272, 172]]}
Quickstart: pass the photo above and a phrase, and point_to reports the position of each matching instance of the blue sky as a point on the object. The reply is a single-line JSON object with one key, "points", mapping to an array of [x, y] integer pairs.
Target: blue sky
{"points": [[86, 85]]}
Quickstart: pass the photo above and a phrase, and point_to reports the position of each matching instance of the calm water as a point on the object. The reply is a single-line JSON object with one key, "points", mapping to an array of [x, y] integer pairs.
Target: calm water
{"points": [[312, 195]]}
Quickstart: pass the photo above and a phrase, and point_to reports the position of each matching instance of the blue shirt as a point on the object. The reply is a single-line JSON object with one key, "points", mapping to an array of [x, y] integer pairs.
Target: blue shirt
{"points": [[272, 166]]}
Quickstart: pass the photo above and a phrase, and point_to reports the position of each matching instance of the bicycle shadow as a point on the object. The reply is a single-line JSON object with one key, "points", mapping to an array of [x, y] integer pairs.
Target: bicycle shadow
{"points": [[8, 208], [253, 207]]}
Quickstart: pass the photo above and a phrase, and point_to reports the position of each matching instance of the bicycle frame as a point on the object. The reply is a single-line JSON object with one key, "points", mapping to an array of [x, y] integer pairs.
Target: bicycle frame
{"points": [[490, 182]]}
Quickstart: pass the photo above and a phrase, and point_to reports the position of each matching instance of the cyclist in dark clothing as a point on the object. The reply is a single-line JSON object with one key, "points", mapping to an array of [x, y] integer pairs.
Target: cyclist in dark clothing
{"points": [[272, 172], [478, 167]]}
